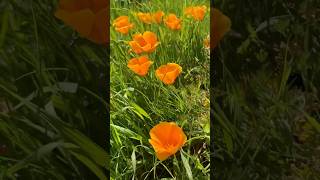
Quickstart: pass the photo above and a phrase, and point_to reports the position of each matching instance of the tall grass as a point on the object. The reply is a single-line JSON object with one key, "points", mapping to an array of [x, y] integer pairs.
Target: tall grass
{"points": [[139, 103], [266, 114], [52, 97]]}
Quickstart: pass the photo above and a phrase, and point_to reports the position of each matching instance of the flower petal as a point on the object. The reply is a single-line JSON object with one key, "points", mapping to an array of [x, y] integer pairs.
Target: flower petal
{"points": [[82, 21]]}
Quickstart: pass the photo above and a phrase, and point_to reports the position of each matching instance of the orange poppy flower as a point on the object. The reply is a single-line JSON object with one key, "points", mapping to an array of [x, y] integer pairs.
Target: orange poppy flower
{"points": [[149, 18], [168, 73], [145, 17], [173, 22], [88, 17], [166, 139], [146, 42], [140, 65], [197, 12], [157, 16], [220, 25], [122, 24]]}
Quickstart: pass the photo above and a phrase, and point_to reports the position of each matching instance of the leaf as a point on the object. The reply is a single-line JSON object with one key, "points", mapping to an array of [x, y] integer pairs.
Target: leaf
{"points": [[186, 165], [127, 132], [50, 109], [41, 152], [228, 142], [92, 166], [97, 154], [313, 122], [140, 110], [134, 162], [68, 87]]}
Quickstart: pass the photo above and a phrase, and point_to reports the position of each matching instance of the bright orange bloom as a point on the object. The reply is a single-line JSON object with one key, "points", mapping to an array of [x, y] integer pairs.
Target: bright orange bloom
{"points": [[145, 17], [168, 73], [122, 24], [166, 139], [88, 17], [146, 42], [220, 25], [140, 65], [197, 12], [157, 16], [173, 22]]}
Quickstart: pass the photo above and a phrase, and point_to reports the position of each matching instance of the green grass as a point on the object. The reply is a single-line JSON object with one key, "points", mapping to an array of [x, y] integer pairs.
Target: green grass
{"points": [[266, 126], [51, 96], [139, 103]]}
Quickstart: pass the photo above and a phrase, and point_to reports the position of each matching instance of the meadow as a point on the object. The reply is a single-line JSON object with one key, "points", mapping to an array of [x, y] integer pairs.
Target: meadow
{"points": [[52, 96], [266, 94], [140, 102]]}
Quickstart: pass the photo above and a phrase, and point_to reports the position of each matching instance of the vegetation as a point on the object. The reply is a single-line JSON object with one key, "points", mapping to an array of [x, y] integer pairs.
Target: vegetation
{"points": [[52, 96], [266, 111], [139, 103]]}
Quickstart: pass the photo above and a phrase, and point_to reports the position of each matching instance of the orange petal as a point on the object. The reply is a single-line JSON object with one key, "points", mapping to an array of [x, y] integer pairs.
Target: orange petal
{"points": [[158, 16], [74, 5], [221, 24], [135, 47], [166, 139], [150, 37], [99, 4], [82, 21], [99, 30]]}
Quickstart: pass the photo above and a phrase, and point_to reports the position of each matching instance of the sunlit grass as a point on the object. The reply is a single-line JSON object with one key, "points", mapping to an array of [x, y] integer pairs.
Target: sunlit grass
{"points": [[139, 103]]}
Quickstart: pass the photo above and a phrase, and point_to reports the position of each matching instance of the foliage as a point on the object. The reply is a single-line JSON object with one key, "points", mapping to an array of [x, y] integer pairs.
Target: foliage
{"points": [[52, 97], [266, 109], [139, 103]]}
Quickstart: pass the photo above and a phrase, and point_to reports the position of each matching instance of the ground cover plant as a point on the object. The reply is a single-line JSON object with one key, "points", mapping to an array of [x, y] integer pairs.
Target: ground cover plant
{"points": [[159, 91], [52, 95], [266, 108]]}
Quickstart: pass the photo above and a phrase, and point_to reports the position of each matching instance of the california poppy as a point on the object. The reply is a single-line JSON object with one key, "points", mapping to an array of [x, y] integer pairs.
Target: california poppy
{"points": [[149, 18], [88, 17], [140, 65], [168, 73], [157, 16], [220, 26], [145, 17], [173, 22], [166, 139], [197, 12], [122, 24], [146, 42]]}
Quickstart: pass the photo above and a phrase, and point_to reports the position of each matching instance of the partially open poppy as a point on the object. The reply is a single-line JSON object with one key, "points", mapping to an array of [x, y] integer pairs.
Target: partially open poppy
{"points": [[149, 18], [168, 73], [146, 42], [166, 139], [220, 25], [140, 65], [157, 16], [145, 17], [173, 22], [122, 24], [197, 12], [88, 17]]}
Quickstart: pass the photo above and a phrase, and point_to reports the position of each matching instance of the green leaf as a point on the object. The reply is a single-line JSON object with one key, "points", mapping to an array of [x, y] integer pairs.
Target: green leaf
{"points": [[140, 110], [95, 152], [313, 122], [134, 162], [68, 87], [186, 165], [127, 132], [92, 166]]}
